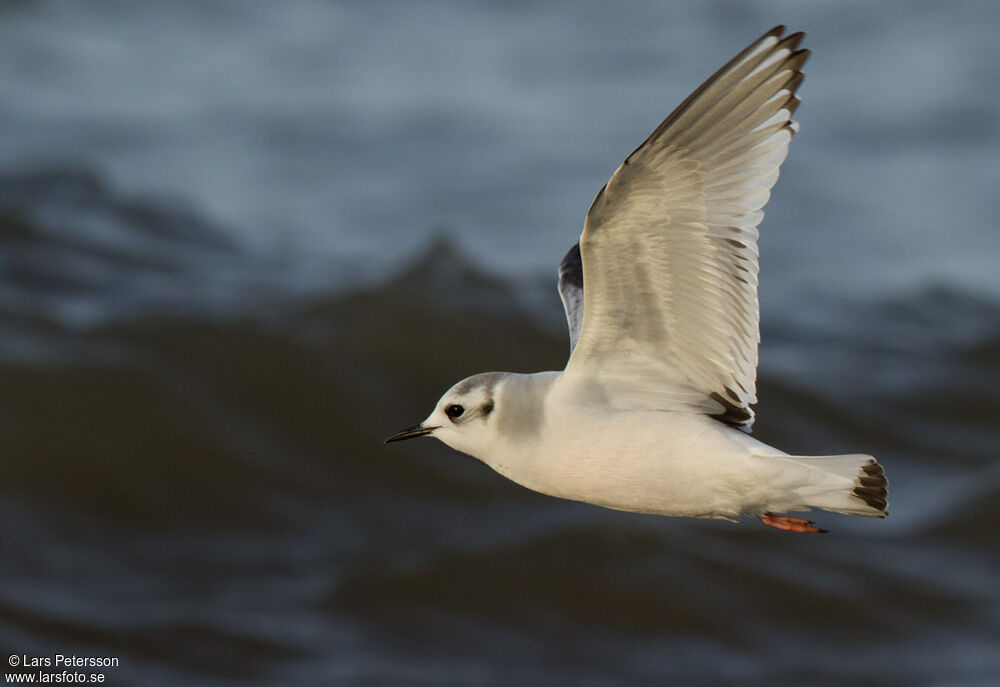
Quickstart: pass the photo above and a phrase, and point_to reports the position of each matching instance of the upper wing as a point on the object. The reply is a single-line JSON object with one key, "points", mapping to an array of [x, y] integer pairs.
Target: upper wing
{"points": [[571, 292], [669, 247]]}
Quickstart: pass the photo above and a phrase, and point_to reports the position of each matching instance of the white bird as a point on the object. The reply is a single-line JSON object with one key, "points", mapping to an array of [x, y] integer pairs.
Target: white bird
{"points": [[652, 413]]}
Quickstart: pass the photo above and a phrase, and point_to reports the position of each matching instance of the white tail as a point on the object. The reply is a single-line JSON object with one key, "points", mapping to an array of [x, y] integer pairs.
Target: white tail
{"points": [[854, 484]]}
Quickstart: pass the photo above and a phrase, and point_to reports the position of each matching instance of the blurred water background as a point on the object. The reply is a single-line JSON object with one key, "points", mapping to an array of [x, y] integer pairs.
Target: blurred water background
{"points": [[241, 242]]}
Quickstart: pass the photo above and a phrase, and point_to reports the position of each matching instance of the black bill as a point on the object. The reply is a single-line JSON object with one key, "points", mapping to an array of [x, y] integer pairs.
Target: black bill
{"points": [[411, 433]]}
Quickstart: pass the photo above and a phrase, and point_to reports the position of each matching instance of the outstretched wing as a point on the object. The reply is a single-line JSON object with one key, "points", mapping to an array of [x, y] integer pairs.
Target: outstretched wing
{"points": [[669, 248]]}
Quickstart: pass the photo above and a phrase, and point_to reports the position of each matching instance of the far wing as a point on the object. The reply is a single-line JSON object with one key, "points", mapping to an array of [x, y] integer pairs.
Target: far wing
{"points": [[669, 248], [571, 292]]}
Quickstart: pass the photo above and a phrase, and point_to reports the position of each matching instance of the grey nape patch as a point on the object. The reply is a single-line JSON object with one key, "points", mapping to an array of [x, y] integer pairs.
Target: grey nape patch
{"points": [[521, 410], [486, 381]]}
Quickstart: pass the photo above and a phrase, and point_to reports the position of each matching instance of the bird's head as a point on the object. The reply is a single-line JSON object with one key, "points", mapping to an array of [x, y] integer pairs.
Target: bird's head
{"points": [[463, 417]]}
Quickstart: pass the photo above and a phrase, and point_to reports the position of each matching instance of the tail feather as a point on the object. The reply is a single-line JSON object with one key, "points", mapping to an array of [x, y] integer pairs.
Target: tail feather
{"points": [[872, 487], [854, 484]]}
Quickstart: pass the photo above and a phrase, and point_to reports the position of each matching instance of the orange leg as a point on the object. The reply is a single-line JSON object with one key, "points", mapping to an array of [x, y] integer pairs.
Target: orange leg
{"points": [[783, 522]]}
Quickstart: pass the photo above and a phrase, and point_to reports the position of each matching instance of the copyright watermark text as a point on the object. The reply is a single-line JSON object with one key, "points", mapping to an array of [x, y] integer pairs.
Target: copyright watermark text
{"points": [[27, 669]]}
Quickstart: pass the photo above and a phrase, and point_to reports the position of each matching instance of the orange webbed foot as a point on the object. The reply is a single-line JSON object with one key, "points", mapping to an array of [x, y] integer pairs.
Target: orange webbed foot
{"points": [[783, 522]]}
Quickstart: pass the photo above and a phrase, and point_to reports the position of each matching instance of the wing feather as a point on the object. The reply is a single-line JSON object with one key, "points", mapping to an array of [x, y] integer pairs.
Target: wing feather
{"points": [[669, 248], [571, 292]]}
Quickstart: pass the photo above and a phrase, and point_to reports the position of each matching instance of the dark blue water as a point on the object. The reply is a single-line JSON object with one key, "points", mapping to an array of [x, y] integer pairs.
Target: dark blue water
{"points": [[242, 242]]}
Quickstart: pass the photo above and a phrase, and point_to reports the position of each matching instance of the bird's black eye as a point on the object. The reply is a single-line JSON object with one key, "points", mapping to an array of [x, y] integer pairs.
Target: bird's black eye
{"points": [[454, 411]]}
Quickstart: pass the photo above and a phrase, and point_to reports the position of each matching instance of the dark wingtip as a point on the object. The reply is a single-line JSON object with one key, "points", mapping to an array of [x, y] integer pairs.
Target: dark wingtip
{"points": [[733, 414], [792, 40]]}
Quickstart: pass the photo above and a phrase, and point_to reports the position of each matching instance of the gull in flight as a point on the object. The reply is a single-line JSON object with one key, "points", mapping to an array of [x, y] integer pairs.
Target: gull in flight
{"points": [[652, 413]]}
